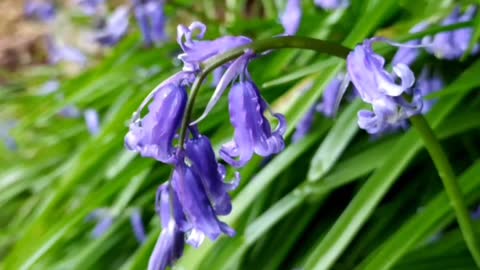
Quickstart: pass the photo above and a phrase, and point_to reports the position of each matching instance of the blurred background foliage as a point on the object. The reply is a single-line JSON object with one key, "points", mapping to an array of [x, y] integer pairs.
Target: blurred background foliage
{"points": [[379, 201]]}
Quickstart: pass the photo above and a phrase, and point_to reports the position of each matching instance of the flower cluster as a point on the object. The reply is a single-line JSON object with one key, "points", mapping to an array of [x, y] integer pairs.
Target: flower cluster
{"points": [[196, 194], [448, 45], [376, 86]]}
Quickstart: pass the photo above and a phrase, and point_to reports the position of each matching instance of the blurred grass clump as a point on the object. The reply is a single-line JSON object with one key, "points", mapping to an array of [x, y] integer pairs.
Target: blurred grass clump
{"points": [[379, 199]]}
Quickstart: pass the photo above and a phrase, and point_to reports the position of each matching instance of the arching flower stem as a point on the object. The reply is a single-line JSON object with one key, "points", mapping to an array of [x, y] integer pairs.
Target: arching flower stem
{"points": [[450, 184], [257, 47]]}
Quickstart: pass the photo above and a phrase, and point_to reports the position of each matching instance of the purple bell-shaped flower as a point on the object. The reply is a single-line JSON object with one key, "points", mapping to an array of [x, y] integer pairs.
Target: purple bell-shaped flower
{"points": [[253, 133]]}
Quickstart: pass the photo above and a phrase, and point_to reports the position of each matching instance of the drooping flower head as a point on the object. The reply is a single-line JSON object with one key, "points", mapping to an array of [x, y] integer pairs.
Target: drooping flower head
{"points": [[452, 44], [196, 50], [153, 135], [332, 95], [291, 17], [115, 27], [378, 87], [43, 10], [170, 243], [331, 4], [151, 20], [253, 133], [196, 206], [408, 55], [200, 154]]}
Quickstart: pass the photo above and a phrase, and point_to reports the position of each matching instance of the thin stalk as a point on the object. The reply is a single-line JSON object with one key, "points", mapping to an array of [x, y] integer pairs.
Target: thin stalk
{"points": [[450, 184], [257, 47]]}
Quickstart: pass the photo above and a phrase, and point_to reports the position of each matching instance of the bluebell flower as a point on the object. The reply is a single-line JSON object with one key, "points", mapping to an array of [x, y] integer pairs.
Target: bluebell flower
{"points": [[92, 121], [60, 52], [427, 83], [332, 96], [331, 4], [200, 154], [170, 243], [115, 28], [90, 7], [305, 124], [253, 133], [153, 135], [103, 219], [291, 17], [452, 44], [196, 51], [196, 206], [49, 87], [43, 10], [70, 111], [137, 225], [5, 135], [151, 20], [408, 54], [377, 87]]}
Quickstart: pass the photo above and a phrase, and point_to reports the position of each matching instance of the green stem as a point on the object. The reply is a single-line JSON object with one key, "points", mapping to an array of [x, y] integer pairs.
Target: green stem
{"points": [[257, 47], [452, 188]]}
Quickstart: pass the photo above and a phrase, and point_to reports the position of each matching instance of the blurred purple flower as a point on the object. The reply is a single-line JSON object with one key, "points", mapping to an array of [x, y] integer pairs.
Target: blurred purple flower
{"points": [[151, 19], [331, 4], [291, 17], [137, 225], [427, 83], [408, 55], [70, 111], [43, 10], [92, 121], [452, 44], [5, 135], [153, 135], [115, 28], [90, 7], [305, 124], [331, 97], [253, 133], [200, 153], [59, 52], [196, 51], [49, 87], [103, 219], [377, 87]]}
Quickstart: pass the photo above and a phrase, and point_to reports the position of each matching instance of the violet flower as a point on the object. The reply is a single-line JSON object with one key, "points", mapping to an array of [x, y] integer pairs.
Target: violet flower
{"points": [[43, 10], [253, 133], [427, 83], [200, 153], [92, 121], [452, 44], [331, 4], [196, 206], [408, 55], [115, 28], [291, 17], [60, 52], [153, 135], [196, 51], [377, 87], [332, 96], [305, 124], [151, 20], [137, 225], [170, 243], [90, 7], [103, 219]]}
